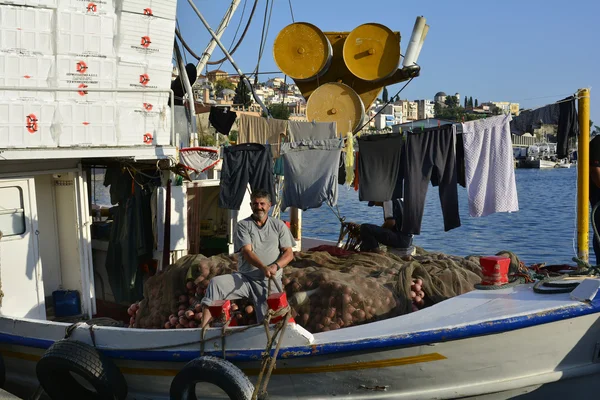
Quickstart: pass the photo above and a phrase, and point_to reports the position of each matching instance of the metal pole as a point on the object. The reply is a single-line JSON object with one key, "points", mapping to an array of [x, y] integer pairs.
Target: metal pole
{"points": [[224, 50], [583, 175], [213, 43]]}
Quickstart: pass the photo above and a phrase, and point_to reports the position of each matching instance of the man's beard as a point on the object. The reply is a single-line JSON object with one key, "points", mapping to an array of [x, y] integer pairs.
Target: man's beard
{"points": [[259, 215]]}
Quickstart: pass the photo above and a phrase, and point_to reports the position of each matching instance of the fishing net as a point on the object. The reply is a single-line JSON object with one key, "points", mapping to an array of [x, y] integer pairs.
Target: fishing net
{"points": [[327, 290], [163, 290]]}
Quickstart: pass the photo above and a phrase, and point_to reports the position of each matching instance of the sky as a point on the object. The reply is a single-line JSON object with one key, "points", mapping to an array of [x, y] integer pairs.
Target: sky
{"points": [[533, 52]]}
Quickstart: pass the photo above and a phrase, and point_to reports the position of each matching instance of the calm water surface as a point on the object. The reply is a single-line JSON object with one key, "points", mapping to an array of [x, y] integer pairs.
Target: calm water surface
{"points": [[543, 230]]}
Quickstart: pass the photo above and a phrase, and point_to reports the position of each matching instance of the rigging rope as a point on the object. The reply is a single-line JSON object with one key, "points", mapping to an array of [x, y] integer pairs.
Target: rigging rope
{"points": [[222, 60]]}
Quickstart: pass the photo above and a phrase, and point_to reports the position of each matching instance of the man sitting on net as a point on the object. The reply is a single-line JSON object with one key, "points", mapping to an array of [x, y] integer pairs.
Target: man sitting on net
{"points": [[389, 233], [265, 248]]}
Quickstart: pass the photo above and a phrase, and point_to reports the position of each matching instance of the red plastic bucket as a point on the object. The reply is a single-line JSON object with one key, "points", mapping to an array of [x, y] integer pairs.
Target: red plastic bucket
{"points": [[495, 270]]}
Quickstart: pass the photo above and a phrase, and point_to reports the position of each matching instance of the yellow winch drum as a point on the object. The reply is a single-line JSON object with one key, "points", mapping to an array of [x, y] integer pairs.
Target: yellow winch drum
{"points": [[339, 103], [302, 51], [372, 52]]}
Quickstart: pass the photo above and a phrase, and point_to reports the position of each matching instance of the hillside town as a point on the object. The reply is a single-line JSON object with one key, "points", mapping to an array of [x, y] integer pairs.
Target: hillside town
{"points": [[218, 88]]}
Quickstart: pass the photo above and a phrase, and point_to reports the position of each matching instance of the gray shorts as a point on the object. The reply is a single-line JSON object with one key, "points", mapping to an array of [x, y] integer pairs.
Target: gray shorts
{"points": [[239, 286]]}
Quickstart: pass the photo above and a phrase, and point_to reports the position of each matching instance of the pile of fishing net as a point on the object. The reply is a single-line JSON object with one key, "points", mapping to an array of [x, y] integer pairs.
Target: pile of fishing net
{"points": [[326, 292]]}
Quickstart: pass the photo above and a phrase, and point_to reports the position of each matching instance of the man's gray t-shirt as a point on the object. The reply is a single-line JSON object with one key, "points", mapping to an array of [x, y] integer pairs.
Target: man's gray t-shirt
{"points": [[266, 243]]}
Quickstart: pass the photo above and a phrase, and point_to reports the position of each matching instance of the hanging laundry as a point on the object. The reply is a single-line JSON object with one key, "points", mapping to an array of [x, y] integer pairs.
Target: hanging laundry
{"points": [[530, 119], [429, 155], [242, 164], [342, 170], [568, 125], [278, 166], [378, 166], [311, 173], [311, 130], [222, 119], [460, 160], [349, 159], [131, 241], [261, 130], [489, 169], [199, 159]]}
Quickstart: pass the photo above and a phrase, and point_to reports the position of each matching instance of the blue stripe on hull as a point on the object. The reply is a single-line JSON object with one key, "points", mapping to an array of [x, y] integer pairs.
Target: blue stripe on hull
{"points": [[403, 340]]}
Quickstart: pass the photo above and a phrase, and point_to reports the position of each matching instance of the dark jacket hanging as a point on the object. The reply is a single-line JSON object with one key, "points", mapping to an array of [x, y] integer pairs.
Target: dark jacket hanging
{"points": [[568, 126]]}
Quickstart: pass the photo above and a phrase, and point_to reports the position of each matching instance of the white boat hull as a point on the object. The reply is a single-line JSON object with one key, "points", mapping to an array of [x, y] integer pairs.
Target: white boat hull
{"points": [[412, 356]]}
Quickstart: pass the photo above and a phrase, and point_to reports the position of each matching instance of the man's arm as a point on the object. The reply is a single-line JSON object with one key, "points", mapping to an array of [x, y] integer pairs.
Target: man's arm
{"points": [[250, 256]]}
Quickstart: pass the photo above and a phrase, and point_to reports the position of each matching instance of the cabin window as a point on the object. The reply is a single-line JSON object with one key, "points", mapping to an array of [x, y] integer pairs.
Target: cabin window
{"points": [[12, 212]]}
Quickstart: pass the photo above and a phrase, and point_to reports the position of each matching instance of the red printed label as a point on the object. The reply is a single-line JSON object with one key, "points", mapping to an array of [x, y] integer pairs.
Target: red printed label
{"points": [[82, 92], [148, 138], [145, 42], [81, 67], [144, 79], [31, 123]]}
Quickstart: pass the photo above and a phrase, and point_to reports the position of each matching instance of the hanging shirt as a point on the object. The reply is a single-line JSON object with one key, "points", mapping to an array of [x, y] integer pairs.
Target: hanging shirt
{"points": [[222, 119], [568, 126], [311, 173], [261, 130], [530, 119], [311, 130], [489, 169]]}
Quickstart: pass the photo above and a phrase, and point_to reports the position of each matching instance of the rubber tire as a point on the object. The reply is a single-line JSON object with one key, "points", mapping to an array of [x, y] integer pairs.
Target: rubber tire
{"points": [[2, 372], [213, 370], [65, 356]]}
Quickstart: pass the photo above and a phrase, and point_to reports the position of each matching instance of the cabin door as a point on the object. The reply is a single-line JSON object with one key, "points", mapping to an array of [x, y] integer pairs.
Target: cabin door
{"points": [[20, 266]]}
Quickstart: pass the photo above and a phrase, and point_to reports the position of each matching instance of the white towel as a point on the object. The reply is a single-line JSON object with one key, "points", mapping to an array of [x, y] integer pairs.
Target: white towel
{"points": [[489, 168]]}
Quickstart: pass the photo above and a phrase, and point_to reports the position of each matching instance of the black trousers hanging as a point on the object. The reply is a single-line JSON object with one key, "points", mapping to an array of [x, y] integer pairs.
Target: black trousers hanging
{"points": [[242, 164], [429, 154], [378, 166]]}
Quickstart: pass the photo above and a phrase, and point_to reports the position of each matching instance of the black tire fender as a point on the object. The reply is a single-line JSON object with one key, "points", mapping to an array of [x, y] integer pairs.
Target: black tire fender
{"points": [[213, 370], [2, 372], [65, 357]]}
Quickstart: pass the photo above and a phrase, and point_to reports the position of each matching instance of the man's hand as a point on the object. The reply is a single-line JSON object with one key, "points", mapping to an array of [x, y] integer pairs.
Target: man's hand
{"points": [[389, 224], [270, 270]]}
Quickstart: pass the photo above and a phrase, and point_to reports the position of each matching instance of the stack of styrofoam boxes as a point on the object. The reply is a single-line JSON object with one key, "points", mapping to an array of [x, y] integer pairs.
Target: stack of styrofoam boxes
{"points": [[26, 60], [85, 58], [145, 48]]}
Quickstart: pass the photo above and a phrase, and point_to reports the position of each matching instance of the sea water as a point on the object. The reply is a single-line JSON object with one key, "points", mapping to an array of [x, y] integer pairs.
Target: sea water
{"points": [[543, 230]]}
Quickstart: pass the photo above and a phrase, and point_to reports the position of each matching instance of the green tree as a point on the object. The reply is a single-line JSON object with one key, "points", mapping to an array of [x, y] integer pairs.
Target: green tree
{"points": [[223, 84], [279, 111], [471, 101], [476, 103], [437, 110], [451, 102], [466, 102], [385, 95], [242, 95]]}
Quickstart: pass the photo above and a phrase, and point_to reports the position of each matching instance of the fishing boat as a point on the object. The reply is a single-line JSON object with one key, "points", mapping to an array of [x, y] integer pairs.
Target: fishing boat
{"points": [[478, 343]]}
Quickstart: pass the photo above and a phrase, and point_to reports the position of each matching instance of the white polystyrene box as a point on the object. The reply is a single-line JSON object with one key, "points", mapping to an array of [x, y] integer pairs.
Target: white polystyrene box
{"points": [[143, 77], [31, 3], [22, 70], [143, 125], [145, 39], [85, 34], [86, 124], [88, 6], [85, 73], [166, 9], [27, 30], [26, 124]]}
